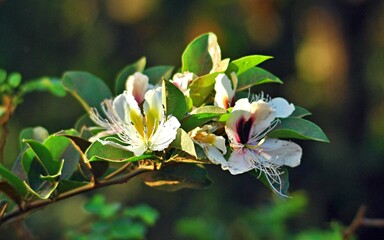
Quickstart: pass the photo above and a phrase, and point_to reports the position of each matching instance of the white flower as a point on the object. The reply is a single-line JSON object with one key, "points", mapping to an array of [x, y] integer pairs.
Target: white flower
{"points": [[246, 129], [213, 146], [182, 81], [225, 92], [137, 85], [136, 132]]}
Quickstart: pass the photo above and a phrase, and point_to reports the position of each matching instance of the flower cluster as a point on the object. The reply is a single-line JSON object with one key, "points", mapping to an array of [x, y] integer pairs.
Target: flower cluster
{"points": [[197, 115], [136, 121]]}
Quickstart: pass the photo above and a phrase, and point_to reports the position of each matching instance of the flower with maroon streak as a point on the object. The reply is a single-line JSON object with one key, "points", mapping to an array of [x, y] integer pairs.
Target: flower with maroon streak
{"points": [[247, 128]]}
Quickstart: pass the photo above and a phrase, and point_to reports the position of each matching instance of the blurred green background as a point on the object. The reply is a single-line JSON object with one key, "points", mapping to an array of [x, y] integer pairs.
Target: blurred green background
{"points": [[330, 54]]}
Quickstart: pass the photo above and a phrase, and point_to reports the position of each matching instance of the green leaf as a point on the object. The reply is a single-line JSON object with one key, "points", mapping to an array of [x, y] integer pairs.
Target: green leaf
{"points": [[54, 177], [10, 191], [14, 181], [67, 185], [26, 158], [43, 192], [62, 148], [52, 85], [88, 89], [156, 74], [201, 116], [243, 64], [98, 151], [143, 212], [99, 168], [124, 229], [255, 76], [298, 128], [3, 75], [184, 142], [201, 55], [202, 88], [174, 177], [44, 156], [300, 112], [98, 206], [36, 133], [173, 100], [123, 75], [83, 122], [80, 143], [14, 79]]}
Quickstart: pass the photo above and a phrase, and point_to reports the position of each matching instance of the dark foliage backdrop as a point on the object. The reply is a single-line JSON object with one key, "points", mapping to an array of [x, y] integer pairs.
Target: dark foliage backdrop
{"points": [[330, 55]]}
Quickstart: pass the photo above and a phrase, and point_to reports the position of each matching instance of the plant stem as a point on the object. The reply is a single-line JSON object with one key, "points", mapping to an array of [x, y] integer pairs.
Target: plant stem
{"points": [[3, 140], [20, 213], [361, 221], [7, 103]]}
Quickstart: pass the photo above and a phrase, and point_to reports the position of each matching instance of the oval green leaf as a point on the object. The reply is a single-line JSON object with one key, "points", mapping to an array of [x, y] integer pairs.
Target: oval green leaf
{"points": [[99, 151], [243, 64], [14, 79], [298, 128], [44, 156], [184, 142], [14, 181], [62, 148], [201, 116], [201, 55], [255, 76], [88, 89], [52, 85], [202, 88], [156, 74], [173, 100], [300, 112]]}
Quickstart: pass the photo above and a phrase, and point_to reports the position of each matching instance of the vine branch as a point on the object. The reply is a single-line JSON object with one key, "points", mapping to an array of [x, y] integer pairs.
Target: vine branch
{"points": [[19, 213]]}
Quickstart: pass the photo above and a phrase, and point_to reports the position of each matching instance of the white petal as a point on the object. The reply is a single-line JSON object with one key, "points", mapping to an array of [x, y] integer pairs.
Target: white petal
{"points": [[120, 107], [137, 85], [214, 155], [224, 91], [220, 144], [164, 135], [242, 104], [137, 150], [132, 112], [280, 152], [153, 104], [281, 106], [241, 161], [182, 81], [259, 114], [263, 116]]}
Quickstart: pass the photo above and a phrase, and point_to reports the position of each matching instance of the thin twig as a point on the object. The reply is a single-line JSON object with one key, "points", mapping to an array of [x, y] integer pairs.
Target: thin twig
{"points": [[361, 221], [356, 223], [370, 222]]}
